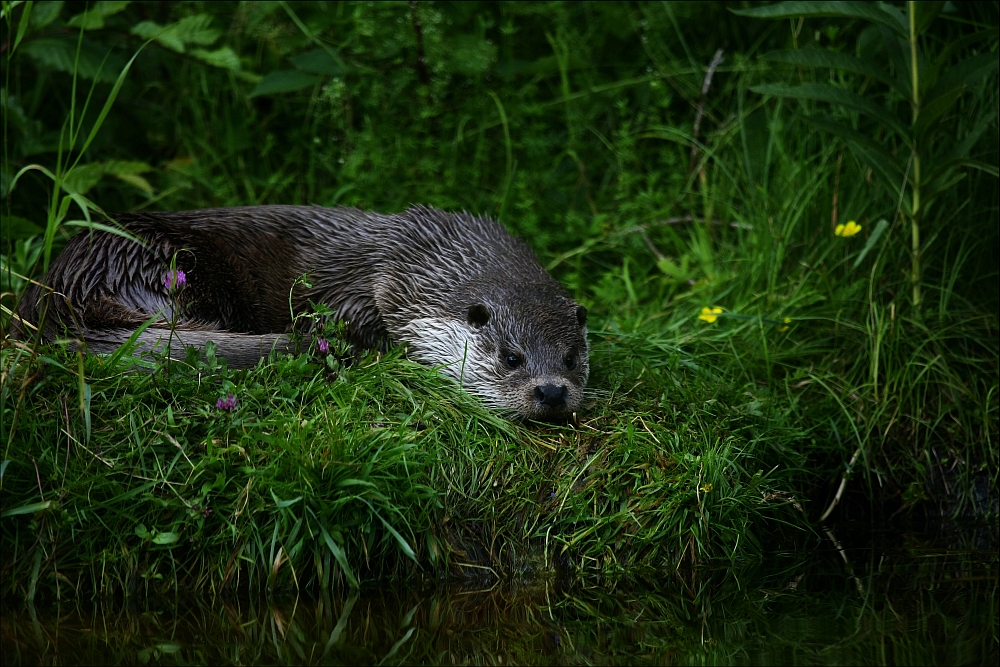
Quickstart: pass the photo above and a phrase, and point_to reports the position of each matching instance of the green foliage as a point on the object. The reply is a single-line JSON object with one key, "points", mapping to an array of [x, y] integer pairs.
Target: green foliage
{"points": [[326, 475], [64, 177], [930, 144], [652, 193]]}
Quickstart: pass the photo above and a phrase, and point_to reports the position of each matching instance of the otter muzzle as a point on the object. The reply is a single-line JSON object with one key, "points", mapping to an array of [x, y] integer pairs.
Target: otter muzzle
{"points": [[551, 395]]}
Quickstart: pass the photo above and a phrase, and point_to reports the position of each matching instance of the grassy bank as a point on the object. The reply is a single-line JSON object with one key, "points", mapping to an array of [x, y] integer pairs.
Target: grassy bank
{"points": [[385, 468], [836, 371]]}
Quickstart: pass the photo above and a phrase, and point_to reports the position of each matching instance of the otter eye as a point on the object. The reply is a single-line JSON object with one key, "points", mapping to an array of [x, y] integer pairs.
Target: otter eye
{"points": [[570, 361], [513, 360]]}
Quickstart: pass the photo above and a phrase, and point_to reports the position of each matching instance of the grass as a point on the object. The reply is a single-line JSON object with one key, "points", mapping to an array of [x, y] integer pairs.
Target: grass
{"points": [[385, 468], [820, 390]]}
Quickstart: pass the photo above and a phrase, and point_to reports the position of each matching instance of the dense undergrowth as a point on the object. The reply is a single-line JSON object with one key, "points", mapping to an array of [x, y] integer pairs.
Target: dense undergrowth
{"points": [[656, 177]]}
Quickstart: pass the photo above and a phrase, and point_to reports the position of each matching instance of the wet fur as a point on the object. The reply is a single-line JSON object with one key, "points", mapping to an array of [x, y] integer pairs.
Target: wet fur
{"points": [[409, 278]]}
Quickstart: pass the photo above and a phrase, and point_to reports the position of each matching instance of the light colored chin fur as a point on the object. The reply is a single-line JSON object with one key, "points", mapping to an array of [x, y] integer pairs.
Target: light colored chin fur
{"points": [[436, 341]]}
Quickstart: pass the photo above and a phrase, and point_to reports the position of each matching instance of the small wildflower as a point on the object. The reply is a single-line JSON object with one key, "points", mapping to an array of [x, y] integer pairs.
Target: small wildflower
{"points": [[705, 488], [324, 346], [848, 230], [228, 404], [787, 321], [175, 279], [709, 314]]}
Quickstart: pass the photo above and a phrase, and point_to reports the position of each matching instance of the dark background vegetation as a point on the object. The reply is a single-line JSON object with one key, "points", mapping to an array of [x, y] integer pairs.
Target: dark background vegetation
{"points": [[651, 192]]}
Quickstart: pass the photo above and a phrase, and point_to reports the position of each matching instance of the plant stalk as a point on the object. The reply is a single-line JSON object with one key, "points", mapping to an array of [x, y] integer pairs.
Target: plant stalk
{"points": [[915, 212]]}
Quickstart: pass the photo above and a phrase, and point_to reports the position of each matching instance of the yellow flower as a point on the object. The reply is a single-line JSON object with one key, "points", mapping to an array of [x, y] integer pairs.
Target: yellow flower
{"points": [[788, 321], [706, 487], [709, 314], [848, 230]]}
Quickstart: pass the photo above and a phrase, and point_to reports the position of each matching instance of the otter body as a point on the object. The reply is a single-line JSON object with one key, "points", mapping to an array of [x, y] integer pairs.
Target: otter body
{"points": [[457, 290]]}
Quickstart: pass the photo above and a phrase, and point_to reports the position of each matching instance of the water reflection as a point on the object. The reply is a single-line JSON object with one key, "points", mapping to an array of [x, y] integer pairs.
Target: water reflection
{"points": [[897, 599]]}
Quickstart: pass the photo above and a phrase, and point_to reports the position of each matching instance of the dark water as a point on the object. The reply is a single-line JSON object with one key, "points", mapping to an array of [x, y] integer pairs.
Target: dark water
{"points": [[854, 597]]}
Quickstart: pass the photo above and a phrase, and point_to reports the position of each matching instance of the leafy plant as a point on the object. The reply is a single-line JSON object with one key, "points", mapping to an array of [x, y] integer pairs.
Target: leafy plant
{"points": [[69, 177]]}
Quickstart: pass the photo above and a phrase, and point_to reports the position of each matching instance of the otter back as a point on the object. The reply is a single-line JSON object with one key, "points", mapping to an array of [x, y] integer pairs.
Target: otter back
{"points": [[457, 290]]}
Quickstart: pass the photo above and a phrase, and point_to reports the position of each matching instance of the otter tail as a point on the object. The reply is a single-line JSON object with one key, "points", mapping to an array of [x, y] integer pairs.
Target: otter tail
{"points": [[241, 350]]}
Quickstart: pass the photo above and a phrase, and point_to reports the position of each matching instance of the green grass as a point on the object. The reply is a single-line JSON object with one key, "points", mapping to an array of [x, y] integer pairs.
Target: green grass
{"points": [[382, 469], [574, 125]]}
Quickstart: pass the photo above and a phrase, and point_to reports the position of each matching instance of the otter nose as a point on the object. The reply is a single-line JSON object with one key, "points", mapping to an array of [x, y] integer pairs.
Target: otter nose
{"points": [[551, 395]]}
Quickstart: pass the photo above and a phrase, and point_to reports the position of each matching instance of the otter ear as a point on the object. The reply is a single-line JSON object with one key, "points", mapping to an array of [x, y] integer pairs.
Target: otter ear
{"points": [[478, 316], [581, 315]]}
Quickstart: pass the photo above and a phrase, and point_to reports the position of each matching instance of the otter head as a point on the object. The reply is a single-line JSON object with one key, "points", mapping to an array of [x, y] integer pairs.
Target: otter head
{"points": [[524, 351]]}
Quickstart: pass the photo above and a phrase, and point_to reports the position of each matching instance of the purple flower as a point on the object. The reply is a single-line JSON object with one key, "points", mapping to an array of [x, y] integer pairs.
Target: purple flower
{"points": [[175, 279], [324, 346], [228, 404]]}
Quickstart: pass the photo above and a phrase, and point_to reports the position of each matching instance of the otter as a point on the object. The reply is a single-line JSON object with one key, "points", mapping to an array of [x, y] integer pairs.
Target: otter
{"points": [[456, 290]]}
